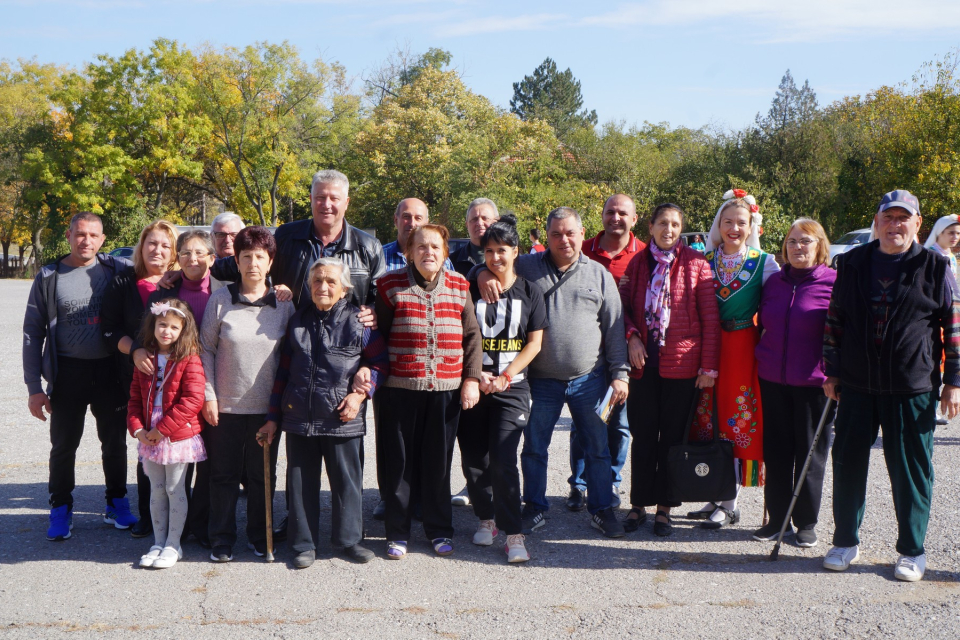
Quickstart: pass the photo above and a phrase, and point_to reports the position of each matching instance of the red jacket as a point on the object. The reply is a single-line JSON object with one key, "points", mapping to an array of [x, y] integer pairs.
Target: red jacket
{"points": [[693, 337], [183, 389]]}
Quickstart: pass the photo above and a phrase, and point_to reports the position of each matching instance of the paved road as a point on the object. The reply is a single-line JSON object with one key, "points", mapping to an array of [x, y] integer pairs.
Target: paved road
{"points": [[696, 584]]}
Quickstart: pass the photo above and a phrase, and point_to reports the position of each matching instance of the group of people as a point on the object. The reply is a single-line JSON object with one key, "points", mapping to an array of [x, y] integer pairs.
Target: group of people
{"points": [[209, 346]]}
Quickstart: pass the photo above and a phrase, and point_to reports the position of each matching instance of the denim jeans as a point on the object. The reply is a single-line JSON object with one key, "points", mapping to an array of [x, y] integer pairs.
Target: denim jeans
{"points": [[618, 439], [581, 396]]}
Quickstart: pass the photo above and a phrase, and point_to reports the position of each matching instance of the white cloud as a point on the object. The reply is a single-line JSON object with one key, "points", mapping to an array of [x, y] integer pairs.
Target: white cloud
{"points": [[500, 24], [792, 21]]}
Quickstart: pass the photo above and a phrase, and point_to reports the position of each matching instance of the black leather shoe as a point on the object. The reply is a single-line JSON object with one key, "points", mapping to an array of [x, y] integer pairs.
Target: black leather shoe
{"points": [[663, 529], [632, 524], [380, 511], [577, 500], [304, 559], [280, 531], [729, 517], [142, 529], [358, 553]]}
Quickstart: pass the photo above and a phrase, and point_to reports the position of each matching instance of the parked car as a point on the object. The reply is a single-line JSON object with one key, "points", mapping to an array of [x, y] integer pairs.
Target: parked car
{"points": [[122, 252], [688, 236], [846, 242]]}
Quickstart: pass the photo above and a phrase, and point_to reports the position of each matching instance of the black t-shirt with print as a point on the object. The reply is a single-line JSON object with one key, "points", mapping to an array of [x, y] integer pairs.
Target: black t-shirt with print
{"points": [[504, 326]]}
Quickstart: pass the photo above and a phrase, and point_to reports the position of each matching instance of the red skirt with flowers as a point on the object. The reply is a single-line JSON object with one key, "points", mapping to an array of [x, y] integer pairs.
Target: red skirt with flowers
{"points": [[737, 390]]}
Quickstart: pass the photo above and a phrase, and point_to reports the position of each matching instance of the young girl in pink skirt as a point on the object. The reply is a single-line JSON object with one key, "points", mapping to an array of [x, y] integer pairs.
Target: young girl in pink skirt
{"points": [[163, 415]]}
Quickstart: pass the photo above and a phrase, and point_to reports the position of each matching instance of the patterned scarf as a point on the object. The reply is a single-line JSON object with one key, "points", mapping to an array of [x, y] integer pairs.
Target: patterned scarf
{"points": [[657, 305]]}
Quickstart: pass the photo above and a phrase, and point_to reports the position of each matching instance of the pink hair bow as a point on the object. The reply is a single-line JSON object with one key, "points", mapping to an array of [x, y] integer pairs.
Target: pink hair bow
{"points": [[161, 308]]}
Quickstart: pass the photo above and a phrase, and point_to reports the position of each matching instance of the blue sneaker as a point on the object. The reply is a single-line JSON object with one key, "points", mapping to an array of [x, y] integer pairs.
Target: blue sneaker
{"points": [[118, 514], [61, 522]]}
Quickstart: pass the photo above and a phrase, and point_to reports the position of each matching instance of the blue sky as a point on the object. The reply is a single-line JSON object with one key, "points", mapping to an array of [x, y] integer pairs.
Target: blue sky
{"points": [[686, 62]]}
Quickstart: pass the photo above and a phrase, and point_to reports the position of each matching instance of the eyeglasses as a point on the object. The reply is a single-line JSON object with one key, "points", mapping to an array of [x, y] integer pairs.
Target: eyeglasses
{"points": [[199, 255], [222, 235], [803, 242]]}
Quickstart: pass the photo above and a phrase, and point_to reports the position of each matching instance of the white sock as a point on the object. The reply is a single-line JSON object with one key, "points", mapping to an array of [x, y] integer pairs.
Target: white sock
{"points": [[730, 505]]}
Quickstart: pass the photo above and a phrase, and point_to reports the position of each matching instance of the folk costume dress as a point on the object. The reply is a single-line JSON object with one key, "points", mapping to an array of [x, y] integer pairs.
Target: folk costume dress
{"points": [[738, 282]]}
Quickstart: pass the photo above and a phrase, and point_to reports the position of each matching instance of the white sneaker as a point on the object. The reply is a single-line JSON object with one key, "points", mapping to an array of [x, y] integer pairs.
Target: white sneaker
{"points": [[840, 558], [516, 551], [168, 557], [485, 534], [461, 499], [910, 569]]}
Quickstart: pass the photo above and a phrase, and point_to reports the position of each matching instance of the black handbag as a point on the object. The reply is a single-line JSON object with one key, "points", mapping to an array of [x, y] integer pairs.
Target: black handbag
{"points": [[702, 471]]}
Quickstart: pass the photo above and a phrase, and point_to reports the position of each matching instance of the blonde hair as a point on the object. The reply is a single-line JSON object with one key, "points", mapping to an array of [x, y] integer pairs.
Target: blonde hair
{"points": [[187, 344], [813, 228], [139, 267]]}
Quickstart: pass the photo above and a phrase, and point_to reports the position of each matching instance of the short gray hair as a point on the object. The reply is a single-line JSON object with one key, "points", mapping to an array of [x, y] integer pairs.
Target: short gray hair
{"points": [[196, 234], [330, 176], [561, 213], [332, 262], [226, 218], [476, 202]]}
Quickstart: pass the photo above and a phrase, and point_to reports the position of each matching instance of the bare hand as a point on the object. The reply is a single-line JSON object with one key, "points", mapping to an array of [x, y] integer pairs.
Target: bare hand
{"points": [[486, 382], [470, 393], [350, 406], [831, 388], [950, 401], [620, 392], [154, 436], [37, 403], [500, 383], [169, 279], [637, 352], [267, 432], [367, 317], [283, 293], [211, 412], [362, 381], [490, 287], [143, 361], [142, 437], [704, 381]]}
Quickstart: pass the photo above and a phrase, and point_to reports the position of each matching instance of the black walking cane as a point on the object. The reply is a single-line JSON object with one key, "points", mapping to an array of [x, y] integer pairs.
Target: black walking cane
{"points": [[267, 494], [774, 555]]}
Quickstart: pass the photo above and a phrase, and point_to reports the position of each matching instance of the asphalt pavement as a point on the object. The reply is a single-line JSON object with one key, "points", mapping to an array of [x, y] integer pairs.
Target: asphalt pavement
{"points": [[696, 584]]}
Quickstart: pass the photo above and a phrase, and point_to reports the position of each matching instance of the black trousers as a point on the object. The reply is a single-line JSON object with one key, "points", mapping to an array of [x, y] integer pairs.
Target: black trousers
{"points": [[232, 449], [657, 410], [489, 435], [305, 458], [79, 384], [415, 440], [790, 418]]}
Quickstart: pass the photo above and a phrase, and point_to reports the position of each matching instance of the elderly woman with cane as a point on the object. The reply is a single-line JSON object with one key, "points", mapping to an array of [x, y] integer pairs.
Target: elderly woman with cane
{"points": [[792, 314], [329, 365], [241, 333]]}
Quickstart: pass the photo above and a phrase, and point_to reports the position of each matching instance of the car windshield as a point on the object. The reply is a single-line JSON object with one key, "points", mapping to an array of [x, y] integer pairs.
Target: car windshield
{"points": [[854, 237]]}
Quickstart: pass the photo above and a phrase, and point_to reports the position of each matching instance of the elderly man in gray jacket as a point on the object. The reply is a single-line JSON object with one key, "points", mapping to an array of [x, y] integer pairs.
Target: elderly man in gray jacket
{"points": [[584, 353]]}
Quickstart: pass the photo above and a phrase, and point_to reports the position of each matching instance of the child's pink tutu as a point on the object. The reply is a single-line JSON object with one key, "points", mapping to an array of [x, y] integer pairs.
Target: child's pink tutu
{"points": [[166, 452]]}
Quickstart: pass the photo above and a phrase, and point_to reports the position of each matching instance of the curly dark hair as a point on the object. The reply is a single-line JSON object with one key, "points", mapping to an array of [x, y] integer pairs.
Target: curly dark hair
{"points": [[251, 238]]}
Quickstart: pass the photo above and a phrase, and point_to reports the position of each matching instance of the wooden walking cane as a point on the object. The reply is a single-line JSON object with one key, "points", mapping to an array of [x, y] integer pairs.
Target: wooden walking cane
{"points": [[267, 494]]}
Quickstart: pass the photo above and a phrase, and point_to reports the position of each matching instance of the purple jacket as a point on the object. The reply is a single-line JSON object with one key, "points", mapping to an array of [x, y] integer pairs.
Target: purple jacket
{"points": [[792, 313]]}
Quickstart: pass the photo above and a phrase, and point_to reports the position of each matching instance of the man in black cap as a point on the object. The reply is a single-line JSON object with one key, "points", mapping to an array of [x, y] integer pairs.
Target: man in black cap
{"points": [[893, 312]]}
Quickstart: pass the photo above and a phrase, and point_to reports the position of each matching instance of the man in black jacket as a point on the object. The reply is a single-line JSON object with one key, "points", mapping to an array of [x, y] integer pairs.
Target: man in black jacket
{"points": [[62, 344], [481, 213], [893, 313]]}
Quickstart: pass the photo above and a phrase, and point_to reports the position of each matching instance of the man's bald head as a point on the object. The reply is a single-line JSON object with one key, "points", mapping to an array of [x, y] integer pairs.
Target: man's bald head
{"points": [[619, 215], [411, 214]]}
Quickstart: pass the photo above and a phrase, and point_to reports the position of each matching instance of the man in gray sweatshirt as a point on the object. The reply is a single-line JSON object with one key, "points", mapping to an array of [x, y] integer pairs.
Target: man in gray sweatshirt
{"points": [[584, 352]]}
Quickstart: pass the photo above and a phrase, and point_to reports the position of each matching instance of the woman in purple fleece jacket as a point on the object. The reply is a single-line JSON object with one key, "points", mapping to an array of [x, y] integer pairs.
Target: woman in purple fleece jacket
{"points": [[792, 314]]}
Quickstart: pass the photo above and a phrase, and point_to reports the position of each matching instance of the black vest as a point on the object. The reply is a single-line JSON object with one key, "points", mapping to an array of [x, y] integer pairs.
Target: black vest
{"points": [[326, 354], [908, 360]]}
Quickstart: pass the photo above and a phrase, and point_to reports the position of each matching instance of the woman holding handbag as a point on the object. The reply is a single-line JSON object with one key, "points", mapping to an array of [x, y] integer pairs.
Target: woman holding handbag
{"points": [[673, 334]]}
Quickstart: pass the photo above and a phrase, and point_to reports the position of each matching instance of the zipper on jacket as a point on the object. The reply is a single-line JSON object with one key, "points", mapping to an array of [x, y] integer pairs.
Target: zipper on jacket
{"points": [[786, 334]]}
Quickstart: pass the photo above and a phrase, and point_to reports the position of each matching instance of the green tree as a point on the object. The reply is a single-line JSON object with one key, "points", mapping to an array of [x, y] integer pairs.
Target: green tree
{"points": [[552, 96]]}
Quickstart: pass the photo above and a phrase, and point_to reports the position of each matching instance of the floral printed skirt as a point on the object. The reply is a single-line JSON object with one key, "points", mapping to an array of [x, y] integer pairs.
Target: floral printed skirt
{"points": [[738, 404], [166, 452]]}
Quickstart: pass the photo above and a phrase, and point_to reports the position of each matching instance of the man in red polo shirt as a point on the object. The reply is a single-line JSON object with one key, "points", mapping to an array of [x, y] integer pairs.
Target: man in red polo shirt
{"points": [[613, 248]]}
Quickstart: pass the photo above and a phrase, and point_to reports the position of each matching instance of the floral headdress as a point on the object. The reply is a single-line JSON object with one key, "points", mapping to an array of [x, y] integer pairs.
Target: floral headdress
{"points": [[714, 239]]}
